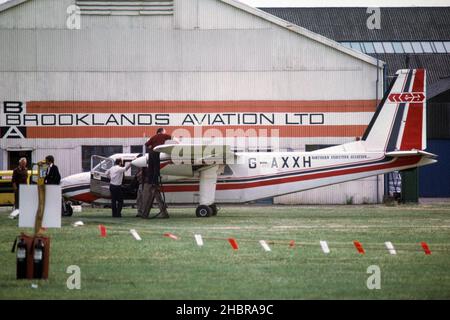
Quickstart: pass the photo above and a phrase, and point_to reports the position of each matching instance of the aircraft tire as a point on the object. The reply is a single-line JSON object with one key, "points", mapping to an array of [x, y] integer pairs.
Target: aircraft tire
{"points": [[67, 210], [203, 211], [214, 209]]}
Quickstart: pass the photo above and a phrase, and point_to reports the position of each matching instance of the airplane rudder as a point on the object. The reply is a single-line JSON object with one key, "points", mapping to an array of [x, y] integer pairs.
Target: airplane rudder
{"points": [[414, 127]]}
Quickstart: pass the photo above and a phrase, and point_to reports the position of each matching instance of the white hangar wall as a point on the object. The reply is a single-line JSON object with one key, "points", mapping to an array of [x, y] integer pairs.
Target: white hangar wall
{"points": [[256, 60], [207, 50]]}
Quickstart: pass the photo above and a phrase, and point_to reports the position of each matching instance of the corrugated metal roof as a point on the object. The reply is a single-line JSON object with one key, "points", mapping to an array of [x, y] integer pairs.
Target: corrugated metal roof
{"points": [[349, 24], [437, 65], [438, 87], [397, 24]]}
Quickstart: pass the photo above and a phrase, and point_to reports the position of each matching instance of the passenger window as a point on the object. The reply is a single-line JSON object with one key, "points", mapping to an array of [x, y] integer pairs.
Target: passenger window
{"points": [[227, 171]]}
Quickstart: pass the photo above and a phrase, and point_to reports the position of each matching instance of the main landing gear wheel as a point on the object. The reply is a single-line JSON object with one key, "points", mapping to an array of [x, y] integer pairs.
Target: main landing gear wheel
{"points": [[203, 211], [214, 209], [67, 209]]}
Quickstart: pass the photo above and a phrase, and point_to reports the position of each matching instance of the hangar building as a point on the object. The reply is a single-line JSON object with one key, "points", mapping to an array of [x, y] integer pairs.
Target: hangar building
{"points": [[100, 77]]}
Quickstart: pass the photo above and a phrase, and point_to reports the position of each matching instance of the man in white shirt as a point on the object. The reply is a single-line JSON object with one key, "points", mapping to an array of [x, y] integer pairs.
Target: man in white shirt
{"points": [[115, 186]]}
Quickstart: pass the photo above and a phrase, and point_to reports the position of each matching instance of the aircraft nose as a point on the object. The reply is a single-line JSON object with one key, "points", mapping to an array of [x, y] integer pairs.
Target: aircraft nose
{"points": [[140, 162], [64, 182]]}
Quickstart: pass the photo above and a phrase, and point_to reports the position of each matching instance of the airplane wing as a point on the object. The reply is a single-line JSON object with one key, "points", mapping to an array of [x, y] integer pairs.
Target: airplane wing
{"points": [[197, 153]]}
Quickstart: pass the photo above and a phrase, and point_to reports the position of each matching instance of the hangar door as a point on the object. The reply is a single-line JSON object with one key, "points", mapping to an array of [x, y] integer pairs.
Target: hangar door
{"points": [[434, 180], [14, 157]]}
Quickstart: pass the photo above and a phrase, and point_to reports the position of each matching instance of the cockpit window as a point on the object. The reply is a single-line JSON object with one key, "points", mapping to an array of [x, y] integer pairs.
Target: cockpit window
{"points": [[103, 166], [227, 171]]}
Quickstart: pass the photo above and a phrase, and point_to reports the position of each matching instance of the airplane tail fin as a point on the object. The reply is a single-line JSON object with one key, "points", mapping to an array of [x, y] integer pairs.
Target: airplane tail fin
{"points": [[399, 123]]}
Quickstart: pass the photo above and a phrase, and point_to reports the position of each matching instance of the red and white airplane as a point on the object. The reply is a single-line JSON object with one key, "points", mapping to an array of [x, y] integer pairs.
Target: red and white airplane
{"points": [[394, 140]]}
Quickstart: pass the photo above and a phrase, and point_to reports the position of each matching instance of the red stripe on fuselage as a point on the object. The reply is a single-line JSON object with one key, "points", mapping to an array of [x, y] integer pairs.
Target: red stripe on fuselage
{"points": [[399, 162], [85, 197], [164, 164]]}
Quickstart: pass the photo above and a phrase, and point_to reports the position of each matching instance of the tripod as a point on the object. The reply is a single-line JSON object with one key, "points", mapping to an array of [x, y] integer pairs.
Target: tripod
{"points": [[156, 189]]}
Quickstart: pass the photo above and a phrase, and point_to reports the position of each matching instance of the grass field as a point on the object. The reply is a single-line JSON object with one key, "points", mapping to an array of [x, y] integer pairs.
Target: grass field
{"points": [[158, 267]]}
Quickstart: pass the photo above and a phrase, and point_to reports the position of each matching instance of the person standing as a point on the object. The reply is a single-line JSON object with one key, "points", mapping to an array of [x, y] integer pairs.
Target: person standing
{"points": [[52, 176], [140, 180], [153, 157], [115, 173], [152, 190], [20, 176]]}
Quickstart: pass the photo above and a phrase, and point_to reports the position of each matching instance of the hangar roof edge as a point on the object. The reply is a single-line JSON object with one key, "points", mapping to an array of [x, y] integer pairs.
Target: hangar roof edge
{"points": [[304, 32], [10, 3], [438, 87]]}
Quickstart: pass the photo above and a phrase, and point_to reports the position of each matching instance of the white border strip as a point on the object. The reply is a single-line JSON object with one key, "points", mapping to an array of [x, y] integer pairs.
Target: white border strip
{"points": [[390, 247], [198, 239], [325, 247], [264, 245], [135, 234]]}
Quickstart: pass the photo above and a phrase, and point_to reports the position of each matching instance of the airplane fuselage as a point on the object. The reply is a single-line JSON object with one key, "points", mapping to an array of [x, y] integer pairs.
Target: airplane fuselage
{"points": [[259, 175], [264, 175]]}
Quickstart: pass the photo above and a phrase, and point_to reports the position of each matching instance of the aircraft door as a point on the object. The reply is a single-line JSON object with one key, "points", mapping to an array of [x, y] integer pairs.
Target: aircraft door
{"points": [[99, 183]]}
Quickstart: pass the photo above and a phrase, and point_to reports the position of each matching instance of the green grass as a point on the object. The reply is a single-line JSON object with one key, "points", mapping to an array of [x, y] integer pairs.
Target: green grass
{"points": [[119, 267]]}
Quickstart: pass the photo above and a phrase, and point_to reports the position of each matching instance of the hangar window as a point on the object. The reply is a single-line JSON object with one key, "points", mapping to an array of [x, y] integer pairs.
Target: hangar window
{"points": [[125, 7], [369, 47], [447, 46], [378, 47], [314, 147], [417, 47], [427, 47], [408, 47], [388, 48], [104, 151], [356, 46], [137, 149], [439, 47], [400, 46], [397, 47]]}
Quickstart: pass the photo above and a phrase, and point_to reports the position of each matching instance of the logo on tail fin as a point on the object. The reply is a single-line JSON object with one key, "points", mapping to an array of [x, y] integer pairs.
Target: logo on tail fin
{"points": [[400, 120], [407, 97]]}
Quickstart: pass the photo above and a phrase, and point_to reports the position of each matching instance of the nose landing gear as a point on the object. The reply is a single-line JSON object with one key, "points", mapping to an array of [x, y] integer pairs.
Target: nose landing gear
{"points": [[66, 209]]}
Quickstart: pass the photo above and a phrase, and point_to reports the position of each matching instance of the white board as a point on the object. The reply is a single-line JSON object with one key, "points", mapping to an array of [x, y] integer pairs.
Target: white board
{"points": [[28, 203]]}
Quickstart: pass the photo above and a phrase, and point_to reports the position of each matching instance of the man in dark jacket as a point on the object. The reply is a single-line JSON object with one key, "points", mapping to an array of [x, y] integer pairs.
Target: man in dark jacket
{"points": [[153, 157], [53, 176], [152, 189], [20, 176]]}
